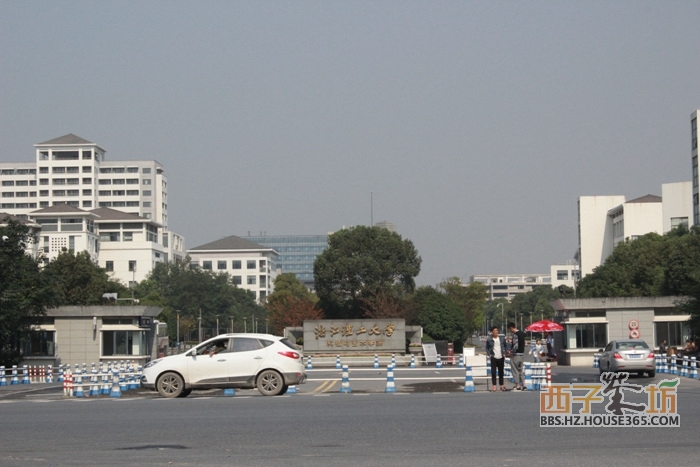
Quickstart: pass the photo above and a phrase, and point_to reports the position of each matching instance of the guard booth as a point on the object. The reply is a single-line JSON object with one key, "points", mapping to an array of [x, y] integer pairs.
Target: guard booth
{"points": [[93, 334]]}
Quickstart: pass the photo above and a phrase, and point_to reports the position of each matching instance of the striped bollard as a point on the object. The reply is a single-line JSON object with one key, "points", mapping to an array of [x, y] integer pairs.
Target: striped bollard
{"points": [[674, 366], [309, 365], [337, 362], [390, 386], [229, 392], [292, 389], [469, 382], [116, 390], [94, 388], [684, 368], [596, 360], [133, 384], [376, 361], [488, 366], [59, 379], [78, 392], [657, 360], [106, 385], [15, 377], [694, 367], [69, 383], [413, 361], [548, 379], [123, 387], [3, 378], [438, 363], [49, 374], [42, 374], [528, 378], [461, 361], [65, 385], [664, 363], [393, 360], [345, 383], [25, 375]]}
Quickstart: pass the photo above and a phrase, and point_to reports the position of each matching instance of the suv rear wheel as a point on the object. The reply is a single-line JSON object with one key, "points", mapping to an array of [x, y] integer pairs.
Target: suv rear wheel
{"points": [[170, 385], [270, 383]]}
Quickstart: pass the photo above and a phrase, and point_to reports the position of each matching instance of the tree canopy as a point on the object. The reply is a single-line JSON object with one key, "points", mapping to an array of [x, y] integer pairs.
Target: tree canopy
{"points": [[440, 317], [361, 262], [182, 290], [25, 293], [290, 304], [651, 265]]}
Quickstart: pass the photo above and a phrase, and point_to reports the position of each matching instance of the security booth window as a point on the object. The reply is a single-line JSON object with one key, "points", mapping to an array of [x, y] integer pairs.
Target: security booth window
{"points": [[40, 344], [587, 336], [117, 343]]}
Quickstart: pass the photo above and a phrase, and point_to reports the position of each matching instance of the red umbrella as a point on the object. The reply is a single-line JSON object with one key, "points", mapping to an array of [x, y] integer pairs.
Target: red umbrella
{"points": [[544, 326]]}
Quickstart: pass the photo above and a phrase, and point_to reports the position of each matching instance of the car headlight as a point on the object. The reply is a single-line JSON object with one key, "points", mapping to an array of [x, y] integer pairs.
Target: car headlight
{"points": [[152, 362]]}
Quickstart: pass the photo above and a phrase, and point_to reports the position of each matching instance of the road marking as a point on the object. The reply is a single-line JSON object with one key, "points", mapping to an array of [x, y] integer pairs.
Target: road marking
{"points": [[327, 386]]}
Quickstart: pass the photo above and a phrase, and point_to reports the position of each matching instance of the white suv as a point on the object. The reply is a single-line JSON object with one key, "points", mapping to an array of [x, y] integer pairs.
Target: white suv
{"points": [[247, 361]]}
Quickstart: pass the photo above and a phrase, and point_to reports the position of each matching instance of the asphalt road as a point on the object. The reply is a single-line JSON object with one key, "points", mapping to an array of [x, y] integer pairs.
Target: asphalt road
{"points": [[317, 428]]}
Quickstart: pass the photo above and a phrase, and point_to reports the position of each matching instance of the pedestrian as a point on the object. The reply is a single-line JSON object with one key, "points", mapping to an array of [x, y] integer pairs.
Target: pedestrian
{"points": [[551, 353], [663, 346], [536, 350], [516, 359], [496, 351]]}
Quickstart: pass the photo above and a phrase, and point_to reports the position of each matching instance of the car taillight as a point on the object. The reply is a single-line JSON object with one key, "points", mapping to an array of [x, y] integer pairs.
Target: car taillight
{"points": [[651, 355], [290, 354], [617, 356]]}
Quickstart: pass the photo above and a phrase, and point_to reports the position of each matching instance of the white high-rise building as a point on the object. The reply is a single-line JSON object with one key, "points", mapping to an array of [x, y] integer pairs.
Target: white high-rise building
{"points": [[605, 221], [117, 211]]}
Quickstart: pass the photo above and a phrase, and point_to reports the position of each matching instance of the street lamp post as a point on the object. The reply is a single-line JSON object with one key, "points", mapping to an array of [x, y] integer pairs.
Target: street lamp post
{"points": [[200, 325], [245, 324], [178, 328], [231, 323], [217, 325]]}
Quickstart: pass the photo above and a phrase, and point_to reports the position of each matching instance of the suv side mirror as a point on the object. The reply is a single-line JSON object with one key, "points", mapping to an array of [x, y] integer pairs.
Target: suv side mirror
{"points": [[193, 352]]}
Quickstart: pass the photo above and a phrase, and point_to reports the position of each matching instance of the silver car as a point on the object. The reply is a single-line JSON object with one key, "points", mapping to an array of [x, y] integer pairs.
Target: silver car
{"points": [[633, 355]]}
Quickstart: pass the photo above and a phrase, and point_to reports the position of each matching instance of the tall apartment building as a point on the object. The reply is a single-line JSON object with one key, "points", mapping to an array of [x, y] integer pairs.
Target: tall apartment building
{"points": [[605, 221], [67, 189], [694, 159], [297, 253]]}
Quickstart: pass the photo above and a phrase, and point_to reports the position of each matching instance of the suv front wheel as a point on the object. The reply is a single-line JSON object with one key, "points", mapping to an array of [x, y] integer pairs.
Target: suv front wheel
{"points": [[270, 383], [170, 385]]}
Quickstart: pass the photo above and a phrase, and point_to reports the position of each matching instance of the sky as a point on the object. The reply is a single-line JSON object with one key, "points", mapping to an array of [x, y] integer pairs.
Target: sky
{"points": [[474, 126]]}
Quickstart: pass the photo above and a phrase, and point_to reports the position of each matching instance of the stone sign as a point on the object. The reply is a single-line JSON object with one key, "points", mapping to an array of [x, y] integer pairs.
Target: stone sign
{"points": [[354, 335]]}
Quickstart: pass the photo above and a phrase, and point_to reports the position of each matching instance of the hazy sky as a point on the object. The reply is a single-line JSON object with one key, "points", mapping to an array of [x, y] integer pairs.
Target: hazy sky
{"points": [[476, 125]]}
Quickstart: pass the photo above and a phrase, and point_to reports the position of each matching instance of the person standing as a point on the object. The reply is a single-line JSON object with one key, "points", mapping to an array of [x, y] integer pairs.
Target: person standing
{"points": [[496, 351], [551, 353], [663, 347], [516, 359]]}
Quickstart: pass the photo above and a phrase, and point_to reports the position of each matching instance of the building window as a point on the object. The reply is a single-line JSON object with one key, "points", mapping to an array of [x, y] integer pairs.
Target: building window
{"points": [[587, 336], [237, 280], [40, 344], [678, 221], [128, 236], [250, 280], [235, 264], [146, 170], [673, 332], [206, 265], [146, 192], [250, 264], [562, 275], [109, 266], [221, 265], [146, 181], [132, 265], [262, 281], [123, 343]]}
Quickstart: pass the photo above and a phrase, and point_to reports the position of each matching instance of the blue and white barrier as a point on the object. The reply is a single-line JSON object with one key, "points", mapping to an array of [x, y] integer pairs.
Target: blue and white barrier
{"points": [[469, 381], [694, 367], [376, 361], [3, 377], [309, 365], [438, 362], [596, 360], [390, 386], [345, 384]]}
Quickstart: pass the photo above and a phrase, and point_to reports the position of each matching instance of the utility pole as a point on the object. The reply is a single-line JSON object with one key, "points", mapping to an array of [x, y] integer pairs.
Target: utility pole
{"points": [[200, 325]]}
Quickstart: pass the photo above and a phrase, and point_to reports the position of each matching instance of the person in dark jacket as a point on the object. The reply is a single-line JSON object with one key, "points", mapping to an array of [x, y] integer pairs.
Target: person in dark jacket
{"points": [[516, 358], [496, 350]]}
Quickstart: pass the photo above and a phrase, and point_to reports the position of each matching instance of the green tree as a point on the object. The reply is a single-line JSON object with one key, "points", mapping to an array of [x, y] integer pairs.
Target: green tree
{"points": [[25, 293], [533, 305], [359, 262], [290, 304], [77, 280], [440, 317], [470, 299], [188, 292]]}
